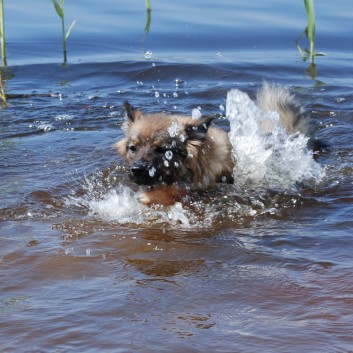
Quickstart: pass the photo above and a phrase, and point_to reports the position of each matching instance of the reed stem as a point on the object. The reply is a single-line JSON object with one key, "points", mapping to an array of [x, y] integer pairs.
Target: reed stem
{"points": [[59, 8], [2, 90], [64, 39], [2, 32], [310, 29]]}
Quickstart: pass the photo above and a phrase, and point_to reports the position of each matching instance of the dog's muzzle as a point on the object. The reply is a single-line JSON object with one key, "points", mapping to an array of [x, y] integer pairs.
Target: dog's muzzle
{"points": [[143, 173]]}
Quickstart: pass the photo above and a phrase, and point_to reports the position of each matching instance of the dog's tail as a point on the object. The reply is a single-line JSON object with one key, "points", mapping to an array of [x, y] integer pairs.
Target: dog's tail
{"points": [[292, 115]]}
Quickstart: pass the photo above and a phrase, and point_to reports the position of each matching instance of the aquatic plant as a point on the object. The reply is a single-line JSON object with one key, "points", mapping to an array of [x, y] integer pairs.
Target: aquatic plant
{"points": [[148, 20], [2, 90], [65, 35], [310, 29], [2, 33], [309, 32], [3, 53]]}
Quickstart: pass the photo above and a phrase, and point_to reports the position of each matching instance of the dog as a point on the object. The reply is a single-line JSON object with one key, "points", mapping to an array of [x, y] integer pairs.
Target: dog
{"points": [[174, 154]]}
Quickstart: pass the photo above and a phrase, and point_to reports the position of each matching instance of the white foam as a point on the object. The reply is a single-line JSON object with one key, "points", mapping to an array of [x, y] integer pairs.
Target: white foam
{"points": [[64, 117], [120, 204], [265, 154]]}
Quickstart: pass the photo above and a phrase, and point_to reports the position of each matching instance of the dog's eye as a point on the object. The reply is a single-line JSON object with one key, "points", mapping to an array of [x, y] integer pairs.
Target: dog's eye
{"points": [[132, 148]]}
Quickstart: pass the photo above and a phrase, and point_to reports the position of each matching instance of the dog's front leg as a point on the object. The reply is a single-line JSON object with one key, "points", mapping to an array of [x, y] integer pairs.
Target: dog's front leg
{"points": [[165, 195]]}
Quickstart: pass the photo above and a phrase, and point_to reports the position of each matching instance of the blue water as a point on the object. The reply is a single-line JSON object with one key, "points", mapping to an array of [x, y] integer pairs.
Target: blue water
{"points": [[182, 30], [230, 272]]}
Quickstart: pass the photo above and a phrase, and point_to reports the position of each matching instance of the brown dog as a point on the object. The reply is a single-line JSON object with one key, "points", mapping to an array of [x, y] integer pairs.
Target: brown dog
{"points": [[174, 153], [170, 152]]}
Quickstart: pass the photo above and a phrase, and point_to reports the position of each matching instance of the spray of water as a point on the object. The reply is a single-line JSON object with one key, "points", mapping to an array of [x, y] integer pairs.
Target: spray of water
{"points": [[266, 155]]}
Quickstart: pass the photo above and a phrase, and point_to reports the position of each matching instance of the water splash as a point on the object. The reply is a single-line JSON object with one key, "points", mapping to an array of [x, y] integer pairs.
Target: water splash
{"points": [[119, 204], [266, 155]]}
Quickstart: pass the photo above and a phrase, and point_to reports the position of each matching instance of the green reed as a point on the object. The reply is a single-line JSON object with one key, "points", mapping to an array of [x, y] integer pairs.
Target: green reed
{"points": [[148, 21], [2, 90], [59, 8], [310, 29], [2, 33], [309, 32], [3, 54]]}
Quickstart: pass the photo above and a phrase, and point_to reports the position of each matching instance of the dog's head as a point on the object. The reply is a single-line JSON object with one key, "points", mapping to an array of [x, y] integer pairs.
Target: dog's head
{"points": [[158, 147]]}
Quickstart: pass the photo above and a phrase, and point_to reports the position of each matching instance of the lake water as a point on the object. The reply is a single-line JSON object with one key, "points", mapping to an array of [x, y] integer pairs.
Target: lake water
{"points": [[85, 268]]}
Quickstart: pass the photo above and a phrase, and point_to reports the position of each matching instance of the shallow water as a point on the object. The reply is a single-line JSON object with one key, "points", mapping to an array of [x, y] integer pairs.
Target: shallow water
{"points": [[85, 267]]}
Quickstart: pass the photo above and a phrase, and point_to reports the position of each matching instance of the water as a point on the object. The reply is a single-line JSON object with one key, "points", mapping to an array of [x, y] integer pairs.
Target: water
{"points": [[85, 267], [267, 155]]}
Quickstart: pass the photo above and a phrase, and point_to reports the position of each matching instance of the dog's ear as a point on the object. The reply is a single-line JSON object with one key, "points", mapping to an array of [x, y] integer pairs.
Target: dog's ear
{"points": [[198, 130], [129, 111], [131, 115]]}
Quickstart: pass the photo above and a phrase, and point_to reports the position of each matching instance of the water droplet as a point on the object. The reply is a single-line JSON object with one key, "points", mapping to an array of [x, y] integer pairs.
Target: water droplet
{"points": [[196, 113], [64, 117], [169, 155], [340, 100], [152, 172], [156, 94], [148, 54], [173, 130], [178, 82]]}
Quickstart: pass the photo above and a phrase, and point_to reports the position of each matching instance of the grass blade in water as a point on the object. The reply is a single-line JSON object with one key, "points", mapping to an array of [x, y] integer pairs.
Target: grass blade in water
{"points": [[310, 29]]}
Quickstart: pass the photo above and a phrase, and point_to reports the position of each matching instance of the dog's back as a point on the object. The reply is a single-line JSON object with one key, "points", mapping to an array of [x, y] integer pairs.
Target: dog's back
{"points": [[292, 115]]}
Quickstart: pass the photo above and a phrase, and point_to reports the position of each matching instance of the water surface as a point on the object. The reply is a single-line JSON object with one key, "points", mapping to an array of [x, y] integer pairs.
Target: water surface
{"points": [[85, 267]]}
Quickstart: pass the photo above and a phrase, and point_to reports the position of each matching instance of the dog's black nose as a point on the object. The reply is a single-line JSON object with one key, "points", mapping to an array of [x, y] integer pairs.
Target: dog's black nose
{"points": [[142, 173], [139, 169]]}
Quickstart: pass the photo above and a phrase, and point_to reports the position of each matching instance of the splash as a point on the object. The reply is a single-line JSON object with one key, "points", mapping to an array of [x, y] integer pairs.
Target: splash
{"points": [[119, 204], [266, 155]]}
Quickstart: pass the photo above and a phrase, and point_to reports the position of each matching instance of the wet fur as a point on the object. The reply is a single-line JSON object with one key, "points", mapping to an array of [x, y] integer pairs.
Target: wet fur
{"points": [[173, 153]]}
